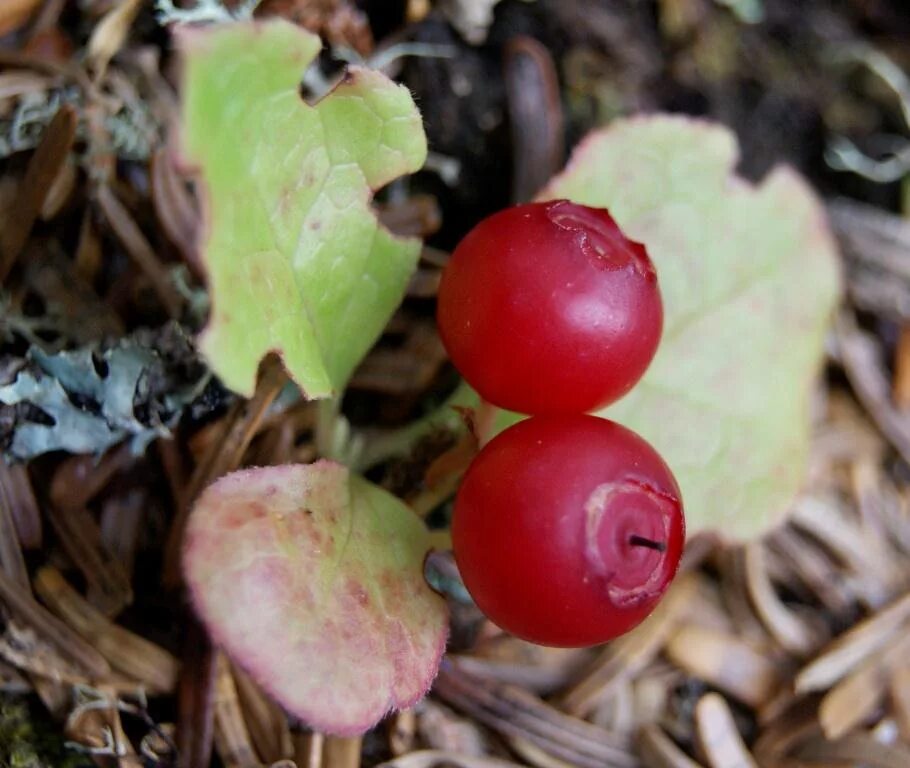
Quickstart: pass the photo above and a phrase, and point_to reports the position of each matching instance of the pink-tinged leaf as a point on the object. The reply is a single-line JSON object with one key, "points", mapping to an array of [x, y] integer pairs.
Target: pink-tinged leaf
{"points": [[750, 277], [311, 578]]}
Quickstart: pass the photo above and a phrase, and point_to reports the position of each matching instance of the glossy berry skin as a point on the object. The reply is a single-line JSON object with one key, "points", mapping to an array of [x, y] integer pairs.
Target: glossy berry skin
{"points": [[550, 308], [567, 530]]}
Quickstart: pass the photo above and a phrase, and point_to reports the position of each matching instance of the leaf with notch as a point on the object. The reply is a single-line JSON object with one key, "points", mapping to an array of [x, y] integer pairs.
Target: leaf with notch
{"points": [[297, 261]]}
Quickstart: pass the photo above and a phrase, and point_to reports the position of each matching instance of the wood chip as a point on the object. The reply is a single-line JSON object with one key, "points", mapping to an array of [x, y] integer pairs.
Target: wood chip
{"points": [[718, 737], [726, 662]]}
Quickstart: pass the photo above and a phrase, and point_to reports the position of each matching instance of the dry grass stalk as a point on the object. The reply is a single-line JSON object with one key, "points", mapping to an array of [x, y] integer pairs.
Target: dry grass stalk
{"points": [[78, 479], [12, 561], [176, 209], [265, 720], [858, 695], [899, 691], [196, 699], [854, 646], [790, 631], [623, 659], [514, 712], [232, 738], [131, 654], [308, 749], [727, 662], [436, 758], [17, 496], [341, 752], [402, 732], [659, 751], [121, 522], [222, 456], [135, 243], [19, 601], [43, 167], [96, 726], [110, 589]]}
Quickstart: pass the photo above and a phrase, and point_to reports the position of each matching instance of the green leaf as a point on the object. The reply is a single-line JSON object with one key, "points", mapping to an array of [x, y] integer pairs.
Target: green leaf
{"points": [[312, 579], [297, 261], [749, 278]]}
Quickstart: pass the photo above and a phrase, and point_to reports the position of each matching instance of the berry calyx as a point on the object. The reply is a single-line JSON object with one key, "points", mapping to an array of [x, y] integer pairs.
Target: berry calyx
{"points": [[550, 308], [567, 530]]}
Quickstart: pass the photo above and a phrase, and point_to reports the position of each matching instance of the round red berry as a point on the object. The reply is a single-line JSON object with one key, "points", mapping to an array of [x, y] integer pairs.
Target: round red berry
{"points": [[550, 308], [567, 530]]}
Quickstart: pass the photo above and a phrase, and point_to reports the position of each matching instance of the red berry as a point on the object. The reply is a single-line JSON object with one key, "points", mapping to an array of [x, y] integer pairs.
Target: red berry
{"points": [[567, 530], [550, 308]]}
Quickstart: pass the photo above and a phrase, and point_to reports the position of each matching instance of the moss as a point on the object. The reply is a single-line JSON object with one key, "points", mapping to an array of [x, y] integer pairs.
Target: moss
{"points": [[29, 741]]}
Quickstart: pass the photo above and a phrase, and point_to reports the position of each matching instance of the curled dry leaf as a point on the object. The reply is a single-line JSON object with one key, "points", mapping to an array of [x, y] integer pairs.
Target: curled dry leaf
{"points": [[311, 579]]}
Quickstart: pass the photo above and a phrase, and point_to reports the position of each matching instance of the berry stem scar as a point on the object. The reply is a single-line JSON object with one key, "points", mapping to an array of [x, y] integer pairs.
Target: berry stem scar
{"points": [[640, 541]]}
